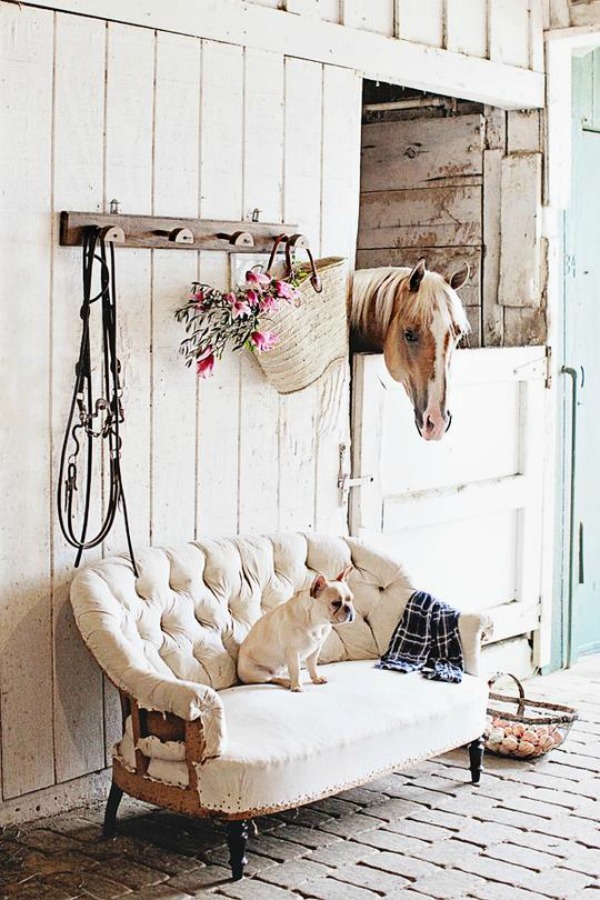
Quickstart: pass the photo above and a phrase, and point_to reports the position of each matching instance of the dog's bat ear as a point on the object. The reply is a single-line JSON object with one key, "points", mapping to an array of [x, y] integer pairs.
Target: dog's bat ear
{"points": [[343, 576], [317, 586]]}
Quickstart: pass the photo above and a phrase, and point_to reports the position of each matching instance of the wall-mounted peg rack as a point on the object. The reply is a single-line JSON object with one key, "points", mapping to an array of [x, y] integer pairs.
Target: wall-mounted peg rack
{"points": [[162, 233]]}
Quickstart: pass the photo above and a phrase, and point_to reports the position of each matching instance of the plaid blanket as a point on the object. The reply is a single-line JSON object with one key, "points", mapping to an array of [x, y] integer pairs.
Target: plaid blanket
{"points": [[426, 638]]}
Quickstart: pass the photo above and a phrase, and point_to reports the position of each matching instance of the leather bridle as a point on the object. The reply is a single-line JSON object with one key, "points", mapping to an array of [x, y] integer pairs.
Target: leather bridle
{"points": [[98, 419]]}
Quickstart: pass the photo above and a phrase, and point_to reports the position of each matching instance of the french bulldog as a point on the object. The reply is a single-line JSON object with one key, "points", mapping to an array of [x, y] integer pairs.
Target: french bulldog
{"points": [[294, 632]]}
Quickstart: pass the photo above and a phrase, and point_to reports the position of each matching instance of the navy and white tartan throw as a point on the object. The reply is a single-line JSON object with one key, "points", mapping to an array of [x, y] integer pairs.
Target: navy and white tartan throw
{"points": [[427, 639]]}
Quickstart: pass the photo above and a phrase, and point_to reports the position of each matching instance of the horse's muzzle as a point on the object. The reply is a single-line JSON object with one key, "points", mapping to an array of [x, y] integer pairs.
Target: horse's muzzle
{"points": [[431, 431]]}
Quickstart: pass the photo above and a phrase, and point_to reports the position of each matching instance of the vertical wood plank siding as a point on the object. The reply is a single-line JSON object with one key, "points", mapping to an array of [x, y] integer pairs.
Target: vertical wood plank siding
{"points": [[170, 125], [507, 31]]}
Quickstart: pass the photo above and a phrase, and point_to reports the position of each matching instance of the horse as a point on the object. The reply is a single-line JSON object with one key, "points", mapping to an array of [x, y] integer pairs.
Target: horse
{"points": [[416, 318]]}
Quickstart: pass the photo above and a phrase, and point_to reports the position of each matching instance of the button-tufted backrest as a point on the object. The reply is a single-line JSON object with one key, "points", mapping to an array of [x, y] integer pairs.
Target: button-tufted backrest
{"points": [[186, 614]]}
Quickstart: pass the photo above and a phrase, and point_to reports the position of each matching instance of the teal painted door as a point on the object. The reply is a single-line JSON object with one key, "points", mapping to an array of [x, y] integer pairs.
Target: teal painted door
{"points": [[582, 353]]}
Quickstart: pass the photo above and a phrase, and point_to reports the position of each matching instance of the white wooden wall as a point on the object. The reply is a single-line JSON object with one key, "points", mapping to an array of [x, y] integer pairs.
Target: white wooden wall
{"points": [[505, 31], [169, 125]]}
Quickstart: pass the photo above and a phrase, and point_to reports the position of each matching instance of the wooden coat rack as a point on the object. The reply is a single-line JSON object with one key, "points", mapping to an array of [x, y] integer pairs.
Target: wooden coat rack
{"points": [[164, 233]]}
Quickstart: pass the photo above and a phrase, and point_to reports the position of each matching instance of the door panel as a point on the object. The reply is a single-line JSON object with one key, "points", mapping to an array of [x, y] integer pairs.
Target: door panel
{"points": [[582, 334], [463, 514]]}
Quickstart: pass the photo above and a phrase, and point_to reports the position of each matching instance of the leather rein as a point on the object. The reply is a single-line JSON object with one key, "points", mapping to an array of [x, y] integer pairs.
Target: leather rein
{"points": [[94, 420]]}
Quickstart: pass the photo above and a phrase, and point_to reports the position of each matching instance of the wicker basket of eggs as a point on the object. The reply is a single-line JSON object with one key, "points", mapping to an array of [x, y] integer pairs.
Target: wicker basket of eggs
{"points": [[524, 728]]}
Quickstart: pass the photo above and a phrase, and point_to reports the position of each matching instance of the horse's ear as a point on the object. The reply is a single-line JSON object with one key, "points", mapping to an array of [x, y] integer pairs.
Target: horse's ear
{"points": [[458, 278], [416, 276]]}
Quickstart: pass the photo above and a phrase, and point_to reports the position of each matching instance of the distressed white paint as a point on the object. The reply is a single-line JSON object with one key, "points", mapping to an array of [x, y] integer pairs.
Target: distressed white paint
{"points": [[26, 66], [263, 134], [470, 503], [398, 61], [467, 32], [421, 22], [181, 127], [371, 15], [521, 182], [510, 34], [159, 155], [78, 184]]}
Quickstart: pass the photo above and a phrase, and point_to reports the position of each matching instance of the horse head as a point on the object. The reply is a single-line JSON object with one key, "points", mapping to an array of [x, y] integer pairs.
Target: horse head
{"points": [[427, 321]]}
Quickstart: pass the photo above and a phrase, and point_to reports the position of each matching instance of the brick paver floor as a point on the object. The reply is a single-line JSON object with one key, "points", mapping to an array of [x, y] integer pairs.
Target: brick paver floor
{"points": [[531, 830]]}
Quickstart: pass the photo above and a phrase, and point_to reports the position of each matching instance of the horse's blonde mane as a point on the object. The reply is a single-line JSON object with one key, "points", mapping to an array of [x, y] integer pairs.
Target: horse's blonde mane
{"points": [[374, 292]]}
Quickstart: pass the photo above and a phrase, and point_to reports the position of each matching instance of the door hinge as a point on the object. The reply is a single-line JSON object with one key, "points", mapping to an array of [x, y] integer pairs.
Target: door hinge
{"points": [[570, 264], [548, 382], [345, 482]]}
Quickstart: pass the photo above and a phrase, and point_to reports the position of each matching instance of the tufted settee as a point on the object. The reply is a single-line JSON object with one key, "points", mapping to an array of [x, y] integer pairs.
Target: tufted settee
{"points": [[196, 741]]}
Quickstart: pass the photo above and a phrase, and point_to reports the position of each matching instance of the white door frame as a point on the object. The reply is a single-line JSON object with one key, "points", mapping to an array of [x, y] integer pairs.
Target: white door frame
{"points": [[561, 45]]}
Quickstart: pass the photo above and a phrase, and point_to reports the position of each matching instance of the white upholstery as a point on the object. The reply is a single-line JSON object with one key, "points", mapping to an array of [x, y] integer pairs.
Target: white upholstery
{"points": [[170, 639], [286, 749]]}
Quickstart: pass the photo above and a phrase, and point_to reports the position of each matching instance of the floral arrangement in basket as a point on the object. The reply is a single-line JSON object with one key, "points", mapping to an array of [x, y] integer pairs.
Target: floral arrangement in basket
{"points": [[216, 320], [534, 728]]}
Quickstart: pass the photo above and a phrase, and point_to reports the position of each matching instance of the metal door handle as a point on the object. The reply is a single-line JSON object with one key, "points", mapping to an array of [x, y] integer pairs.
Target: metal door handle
{"points": [[573, 375]]}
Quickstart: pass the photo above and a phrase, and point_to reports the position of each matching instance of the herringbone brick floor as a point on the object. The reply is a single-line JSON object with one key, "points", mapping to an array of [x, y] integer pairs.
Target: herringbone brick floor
{"points": [[531, 830]]}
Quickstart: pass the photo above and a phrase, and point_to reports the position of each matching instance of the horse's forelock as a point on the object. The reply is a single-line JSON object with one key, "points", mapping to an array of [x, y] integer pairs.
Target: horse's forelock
{"points": [[435, 295]]}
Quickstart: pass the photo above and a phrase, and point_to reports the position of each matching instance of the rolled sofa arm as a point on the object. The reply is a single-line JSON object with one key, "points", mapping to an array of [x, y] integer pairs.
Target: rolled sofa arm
{"points": [[472, 628], [189, 701], [98, 617]]}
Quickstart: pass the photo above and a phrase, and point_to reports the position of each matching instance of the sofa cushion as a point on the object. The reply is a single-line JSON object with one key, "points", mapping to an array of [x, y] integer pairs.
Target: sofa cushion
{"points": [[286, 749]]}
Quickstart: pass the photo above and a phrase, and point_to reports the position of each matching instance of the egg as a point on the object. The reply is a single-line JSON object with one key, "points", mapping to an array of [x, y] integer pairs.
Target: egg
{"points": [[525, 748]]}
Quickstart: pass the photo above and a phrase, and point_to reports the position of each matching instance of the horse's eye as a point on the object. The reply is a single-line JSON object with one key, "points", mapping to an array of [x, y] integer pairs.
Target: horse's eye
{"points": [[410, 336]]}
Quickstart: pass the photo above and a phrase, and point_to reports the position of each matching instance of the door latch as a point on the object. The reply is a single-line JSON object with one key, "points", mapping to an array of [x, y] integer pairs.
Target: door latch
{"points": [[345, 482]]}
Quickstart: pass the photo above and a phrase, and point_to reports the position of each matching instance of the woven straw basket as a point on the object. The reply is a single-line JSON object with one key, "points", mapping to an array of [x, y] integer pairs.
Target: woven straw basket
{"points": [[312, 336]]}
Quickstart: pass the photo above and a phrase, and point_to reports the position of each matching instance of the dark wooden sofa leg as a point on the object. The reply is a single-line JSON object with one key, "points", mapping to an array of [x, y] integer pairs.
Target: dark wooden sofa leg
{"points": [[237, 835], [476, 759], [112, 806]]}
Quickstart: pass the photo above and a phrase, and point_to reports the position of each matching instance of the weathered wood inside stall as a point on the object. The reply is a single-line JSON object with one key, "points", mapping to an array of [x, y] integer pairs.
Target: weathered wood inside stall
{"points": [[454, 181]]}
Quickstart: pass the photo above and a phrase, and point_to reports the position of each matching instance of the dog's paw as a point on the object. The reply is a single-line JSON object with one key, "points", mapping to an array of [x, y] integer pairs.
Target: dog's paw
{"points": [[297, 688], [319, 680]]}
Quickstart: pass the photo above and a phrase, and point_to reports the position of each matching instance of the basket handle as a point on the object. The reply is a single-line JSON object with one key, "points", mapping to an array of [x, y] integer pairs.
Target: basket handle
{"points": [[520, 688], [315, 280], [276, 242]]}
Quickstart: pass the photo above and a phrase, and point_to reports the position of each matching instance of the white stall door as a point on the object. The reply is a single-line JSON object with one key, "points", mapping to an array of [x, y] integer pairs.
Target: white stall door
{"points": [[463, 514]]}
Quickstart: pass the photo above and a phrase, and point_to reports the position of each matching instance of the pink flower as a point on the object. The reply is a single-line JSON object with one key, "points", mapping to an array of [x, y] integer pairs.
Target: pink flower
{"points": [[253, 297], [269, 302], [206, 363], [240, 309], [258, 279], [264, 340], [197, 297], [286, 291]]}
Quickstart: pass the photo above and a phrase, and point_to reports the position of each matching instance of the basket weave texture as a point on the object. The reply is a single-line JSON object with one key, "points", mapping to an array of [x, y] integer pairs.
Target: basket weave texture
{"points": [[531, 730], [312, 336]]}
